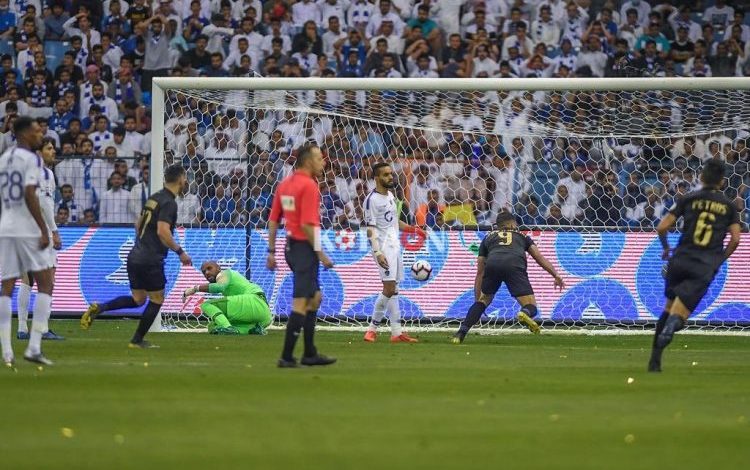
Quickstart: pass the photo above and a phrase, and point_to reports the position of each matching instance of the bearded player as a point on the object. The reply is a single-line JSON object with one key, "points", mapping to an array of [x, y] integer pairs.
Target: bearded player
{"points": [[383, 224], [502, 259], [707, 217], [241, 310]]}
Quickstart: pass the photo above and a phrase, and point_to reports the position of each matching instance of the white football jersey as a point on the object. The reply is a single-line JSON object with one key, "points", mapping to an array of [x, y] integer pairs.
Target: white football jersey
{"points": [[18, 168], [381, 214], [46, 193]]}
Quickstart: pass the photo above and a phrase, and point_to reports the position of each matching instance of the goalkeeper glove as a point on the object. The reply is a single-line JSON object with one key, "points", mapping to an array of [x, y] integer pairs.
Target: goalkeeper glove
{"points": [[188, 292]]}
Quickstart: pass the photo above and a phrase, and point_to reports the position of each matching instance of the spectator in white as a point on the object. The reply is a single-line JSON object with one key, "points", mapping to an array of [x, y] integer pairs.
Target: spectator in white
{"points": [[520, 41], [305, 10], [85, 31], [86, 88], [140, 193], [113, 207], [395, 42], [234, 58], [420, 187], [739, 21], [156, 34], [334, 37], [108, 105], [556, 7], [630, 29], [238, 7], [593, 57], [681, 18], [188, 208], [641, 6], [276, 32], [470, 118], [222, 159], [101, 137], [306, 59], [359, 14], [134, 139], [423, 68], [38, 96], [482, 62], [330, 8], [112, 52], [254, 40], [122, 147], [569, 208], [125, 90], [575, 185], [575, 22], [567, 56], [502, 172], [512, 121], [216, 32], [537, 66], [384, 13], [719, 15], [68, 202], [546, 29]]}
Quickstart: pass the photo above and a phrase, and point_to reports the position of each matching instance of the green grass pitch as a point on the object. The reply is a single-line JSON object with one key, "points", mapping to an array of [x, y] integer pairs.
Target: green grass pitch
{"points": [[514, 401]]}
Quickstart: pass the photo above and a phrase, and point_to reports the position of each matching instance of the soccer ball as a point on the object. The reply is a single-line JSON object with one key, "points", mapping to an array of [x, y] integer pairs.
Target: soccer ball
{"points": [[421, 270]]}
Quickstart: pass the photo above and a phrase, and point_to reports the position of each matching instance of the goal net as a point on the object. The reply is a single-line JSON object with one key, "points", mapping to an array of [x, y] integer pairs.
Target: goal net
{"points": [[588, 166]]}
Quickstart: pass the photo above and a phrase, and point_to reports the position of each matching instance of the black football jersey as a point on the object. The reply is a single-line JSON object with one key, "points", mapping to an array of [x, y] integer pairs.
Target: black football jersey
{"points": [[506, 248], [160, 207], [707, 215]]}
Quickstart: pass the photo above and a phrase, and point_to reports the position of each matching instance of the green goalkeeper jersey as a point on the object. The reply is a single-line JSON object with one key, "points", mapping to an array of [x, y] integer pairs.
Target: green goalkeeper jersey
{"points": [[231, 283]]}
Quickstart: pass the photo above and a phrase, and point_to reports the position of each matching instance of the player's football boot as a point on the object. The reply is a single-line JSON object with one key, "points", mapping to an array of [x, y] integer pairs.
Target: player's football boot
{"points": [[10, 363], [528, 322], [371, 336], [403, 338], [38, 359], [23, 335], [88, 316], [143, 345], [257, 330], [284, 364], [654, 365], [317, 360], [52, 336], [458, 337], [228, 331]]}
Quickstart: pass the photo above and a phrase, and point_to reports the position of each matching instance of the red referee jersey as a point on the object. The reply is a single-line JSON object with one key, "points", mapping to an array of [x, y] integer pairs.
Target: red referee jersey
{"points": [[297, 200]]}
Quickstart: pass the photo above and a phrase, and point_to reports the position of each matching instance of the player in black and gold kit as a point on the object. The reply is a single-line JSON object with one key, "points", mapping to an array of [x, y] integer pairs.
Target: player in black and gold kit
{"points": [[502, 258], [145, 266], [707, 217]]}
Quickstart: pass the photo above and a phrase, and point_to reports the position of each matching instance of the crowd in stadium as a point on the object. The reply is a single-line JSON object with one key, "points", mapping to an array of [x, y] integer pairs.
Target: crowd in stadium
{"points": [[84, 69]]}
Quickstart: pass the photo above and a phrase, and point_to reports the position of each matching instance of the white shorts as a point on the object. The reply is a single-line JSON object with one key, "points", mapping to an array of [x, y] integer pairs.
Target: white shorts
{"points": [[21, 255], [395, 271]]}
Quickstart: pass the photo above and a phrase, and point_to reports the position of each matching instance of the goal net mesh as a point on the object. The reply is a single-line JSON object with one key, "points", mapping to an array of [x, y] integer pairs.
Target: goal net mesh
{"points": [[588, 175]]}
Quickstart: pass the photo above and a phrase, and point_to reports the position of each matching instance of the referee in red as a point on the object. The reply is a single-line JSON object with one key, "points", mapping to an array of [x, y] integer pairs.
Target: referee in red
{"points": [[297, 200]]}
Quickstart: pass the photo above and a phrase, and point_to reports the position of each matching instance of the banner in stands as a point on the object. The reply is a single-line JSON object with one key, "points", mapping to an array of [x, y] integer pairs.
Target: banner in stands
{"points": [[610, 276]]}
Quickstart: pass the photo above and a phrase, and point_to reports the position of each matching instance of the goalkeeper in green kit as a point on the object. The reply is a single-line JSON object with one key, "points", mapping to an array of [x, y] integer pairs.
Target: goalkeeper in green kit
{"points": [[242, 310]]}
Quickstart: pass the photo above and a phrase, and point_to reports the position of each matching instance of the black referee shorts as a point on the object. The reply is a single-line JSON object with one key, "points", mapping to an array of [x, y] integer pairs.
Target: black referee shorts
{"points": [[146, 276], [304, 263], [688, 279], [516, 279]]}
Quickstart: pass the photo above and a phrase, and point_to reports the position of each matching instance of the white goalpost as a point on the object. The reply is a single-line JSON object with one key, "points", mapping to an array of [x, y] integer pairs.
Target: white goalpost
{"points": [[588, 166]]}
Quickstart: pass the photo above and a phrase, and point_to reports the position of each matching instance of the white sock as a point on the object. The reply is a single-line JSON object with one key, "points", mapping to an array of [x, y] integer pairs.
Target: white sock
{"points": [[39, 325], [5, 315], [24, 295], [379, 312], [395, 315]]}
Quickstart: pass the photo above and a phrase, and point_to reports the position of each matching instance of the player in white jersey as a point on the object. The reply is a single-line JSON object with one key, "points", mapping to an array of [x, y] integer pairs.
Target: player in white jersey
{"points": [[383, 224], [24, 237], [46, 194]]}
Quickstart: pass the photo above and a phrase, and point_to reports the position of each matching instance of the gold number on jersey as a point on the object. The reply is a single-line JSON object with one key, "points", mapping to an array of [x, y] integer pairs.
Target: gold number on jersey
{"points": [[704, 229], [504, 238], [145, 219]]}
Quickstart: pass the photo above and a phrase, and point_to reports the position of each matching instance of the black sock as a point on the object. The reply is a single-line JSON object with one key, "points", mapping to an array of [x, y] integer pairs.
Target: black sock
{"points": [[147, 319], [660, 326], [674, 323], [124, 301], [309, 333], [475, 313], [293, 327]]}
